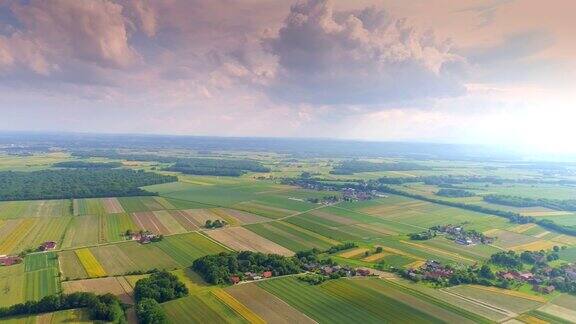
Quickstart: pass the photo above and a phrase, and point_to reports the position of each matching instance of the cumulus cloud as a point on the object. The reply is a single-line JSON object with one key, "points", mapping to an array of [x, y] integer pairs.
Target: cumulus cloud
{"points": [[51, 35], [359, 57]]}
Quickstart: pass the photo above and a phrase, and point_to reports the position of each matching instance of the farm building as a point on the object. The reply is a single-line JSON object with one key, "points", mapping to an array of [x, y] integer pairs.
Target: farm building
{"points": [[48, 245], [9, 260]]}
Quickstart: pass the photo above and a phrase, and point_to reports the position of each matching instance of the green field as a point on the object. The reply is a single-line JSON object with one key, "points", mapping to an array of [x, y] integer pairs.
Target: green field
{"points": [[138, 204], [39, 261], [41, 283], [344, 301], [89, 206], [186, 248], [35, 208], [12, 280], [82, 231], [116, 226], [290, 236], [202, 308]]}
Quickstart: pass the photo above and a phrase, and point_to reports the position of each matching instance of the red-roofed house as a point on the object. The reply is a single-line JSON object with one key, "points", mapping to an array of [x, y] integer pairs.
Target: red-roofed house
{"points": [[48, 245], [9, 260], [267, 274], [234, 280]]}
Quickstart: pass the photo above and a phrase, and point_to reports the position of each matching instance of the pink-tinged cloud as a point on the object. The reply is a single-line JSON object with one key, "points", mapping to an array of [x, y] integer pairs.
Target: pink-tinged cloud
{"points": [[54, 34], [386, 69], [360, 57]]}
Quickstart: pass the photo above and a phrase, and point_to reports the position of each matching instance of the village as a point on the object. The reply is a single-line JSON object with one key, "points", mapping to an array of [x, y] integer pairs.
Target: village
{"points": [[327, 271]]}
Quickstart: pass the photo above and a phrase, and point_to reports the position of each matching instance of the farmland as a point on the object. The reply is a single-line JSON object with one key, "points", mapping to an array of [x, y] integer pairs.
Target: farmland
{"points": [[339, 302], [94, 252]]}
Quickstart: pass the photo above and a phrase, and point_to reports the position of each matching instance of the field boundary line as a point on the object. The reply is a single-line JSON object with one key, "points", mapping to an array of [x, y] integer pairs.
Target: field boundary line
{"points": [[502, 311], [214, 241]]}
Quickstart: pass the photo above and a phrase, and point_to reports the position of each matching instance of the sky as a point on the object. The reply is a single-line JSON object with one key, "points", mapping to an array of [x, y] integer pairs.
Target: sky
{"points": [[496, 72]]}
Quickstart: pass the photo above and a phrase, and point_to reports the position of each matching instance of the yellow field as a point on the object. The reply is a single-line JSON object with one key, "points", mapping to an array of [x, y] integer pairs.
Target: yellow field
{"points": [[533, 246], [375, 257], [542, 234], [565, 239], [353, 253], [513, 293], [10, 242], [91, 265], [492, 231], [522, 228], [546, 213], [415, 264], [399, 252], [530, 319], [237, 306]]}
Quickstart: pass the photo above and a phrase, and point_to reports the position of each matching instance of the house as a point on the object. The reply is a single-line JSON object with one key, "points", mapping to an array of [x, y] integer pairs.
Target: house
{"points": [[363, 272], [464, 241], [145, 238], [507, 275], [267, 274], [326, 270], [9, 260], [234, 280], [48, 245]]}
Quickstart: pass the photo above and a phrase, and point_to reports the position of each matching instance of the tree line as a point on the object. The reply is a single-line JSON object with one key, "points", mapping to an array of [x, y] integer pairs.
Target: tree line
{"points": [[356, 166], [196, 166], [77, 183], [87, 165], [105, 307], [515, 201], [455, 193]]}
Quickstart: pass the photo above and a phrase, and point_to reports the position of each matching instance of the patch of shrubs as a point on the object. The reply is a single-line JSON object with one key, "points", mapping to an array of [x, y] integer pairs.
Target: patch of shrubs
{"points": [[215, 224]]}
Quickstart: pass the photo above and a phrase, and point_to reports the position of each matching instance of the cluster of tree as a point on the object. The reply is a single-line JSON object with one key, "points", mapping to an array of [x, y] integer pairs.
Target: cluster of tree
{"points": [[215, 224], [357, 166], [422, 236], [87, 165], [459, 276], [508, 259], [341, 247], [149, 311], [516, 201], [218, 268], [313, 278], [326, 199], [455, 193], [105, 307], [197, 166], [160, 287], [77, 183]]}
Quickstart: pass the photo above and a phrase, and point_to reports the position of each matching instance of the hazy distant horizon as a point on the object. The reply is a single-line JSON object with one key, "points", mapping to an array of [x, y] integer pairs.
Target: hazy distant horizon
{"points": [[498, 73]]}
